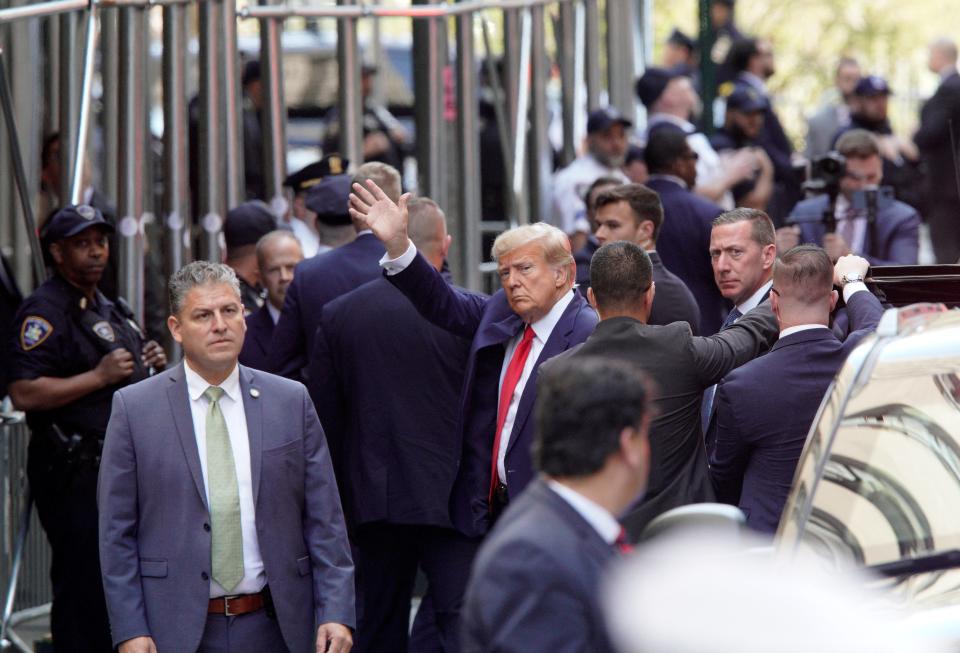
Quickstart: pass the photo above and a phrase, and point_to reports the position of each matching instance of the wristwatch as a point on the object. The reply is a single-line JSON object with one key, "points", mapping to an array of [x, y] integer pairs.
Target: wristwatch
{"points": [[851, 277]]}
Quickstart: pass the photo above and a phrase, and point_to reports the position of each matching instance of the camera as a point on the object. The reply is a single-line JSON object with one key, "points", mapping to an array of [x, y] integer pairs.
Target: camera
{"points": [[825, 175]]}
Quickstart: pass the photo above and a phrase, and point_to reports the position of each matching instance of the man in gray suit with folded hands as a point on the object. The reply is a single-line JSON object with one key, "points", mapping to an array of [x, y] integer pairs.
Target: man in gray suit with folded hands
{"points": [[220, 522]]}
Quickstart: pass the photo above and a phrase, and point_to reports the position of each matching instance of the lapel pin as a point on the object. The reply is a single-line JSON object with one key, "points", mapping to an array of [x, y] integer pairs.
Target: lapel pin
{"points": [[254, 393]]}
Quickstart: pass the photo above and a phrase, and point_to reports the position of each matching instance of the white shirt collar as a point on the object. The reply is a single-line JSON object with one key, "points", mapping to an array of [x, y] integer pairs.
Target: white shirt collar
{"points": [[754, 81], [274, 312], [196, 385], [543, 327], [660, 117], [789, 331], [673, 178], [754, 300], [594, 514], [364, 232]]}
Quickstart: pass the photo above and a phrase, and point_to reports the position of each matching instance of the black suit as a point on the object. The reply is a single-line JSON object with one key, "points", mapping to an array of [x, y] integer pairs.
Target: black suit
{"points": [[672, 301], [256, 344], [316, 281], [938, 153], [386, 384], [684, 247], [682, 366]]}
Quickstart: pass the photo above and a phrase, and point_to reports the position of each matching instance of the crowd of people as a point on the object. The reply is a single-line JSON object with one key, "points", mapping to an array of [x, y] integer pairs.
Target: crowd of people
{"points": [[345, 417]]}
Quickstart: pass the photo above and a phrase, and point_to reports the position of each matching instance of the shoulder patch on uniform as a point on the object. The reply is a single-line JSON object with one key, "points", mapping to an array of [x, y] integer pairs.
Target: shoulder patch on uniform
{"points": [[34, 331], [105, 331]]}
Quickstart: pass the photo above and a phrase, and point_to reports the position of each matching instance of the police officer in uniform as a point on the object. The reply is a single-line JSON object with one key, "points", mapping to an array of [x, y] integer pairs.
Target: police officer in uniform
{"points": [[73, 349]]}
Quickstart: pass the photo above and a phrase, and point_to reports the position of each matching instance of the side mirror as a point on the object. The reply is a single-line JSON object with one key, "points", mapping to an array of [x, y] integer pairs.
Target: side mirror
{"points": [[719, 518]]}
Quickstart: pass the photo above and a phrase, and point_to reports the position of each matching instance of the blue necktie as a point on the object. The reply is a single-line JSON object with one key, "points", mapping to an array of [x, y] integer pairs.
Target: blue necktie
{"points": [[706, 408]]}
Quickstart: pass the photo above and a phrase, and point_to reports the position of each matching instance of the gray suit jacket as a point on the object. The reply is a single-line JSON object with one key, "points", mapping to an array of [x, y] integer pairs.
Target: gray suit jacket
{"points": [[154, 522], [682, 366]]}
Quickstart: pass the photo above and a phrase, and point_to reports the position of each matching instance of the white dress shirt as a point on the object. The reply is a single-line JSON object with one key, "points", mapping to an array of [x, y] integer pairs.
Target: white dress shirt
{"points": [[789, 331], [542, 329], [274, 312], [569, 184], [309, 240], [593, 513], [231, 405], [753, 300], [842, 214]]}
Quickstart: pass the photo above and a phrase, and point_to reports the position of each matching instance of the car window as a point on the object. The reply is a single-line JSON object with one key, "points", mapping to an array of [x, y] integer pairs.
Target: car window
{"points": [[890, 482]]}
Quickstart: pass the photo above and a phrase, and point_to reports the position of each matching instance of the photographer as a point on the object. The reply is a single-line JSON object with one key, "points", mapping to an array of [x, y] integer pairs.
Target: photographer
{"points": [[865, 219]]}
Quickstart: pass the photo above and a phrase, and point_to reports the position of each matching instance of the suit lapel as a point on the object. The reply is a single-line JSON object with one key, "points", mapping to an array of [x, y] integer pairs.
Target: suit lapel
{"points": [[253, 410], [179, 400], [265, 333], [497, 333]]}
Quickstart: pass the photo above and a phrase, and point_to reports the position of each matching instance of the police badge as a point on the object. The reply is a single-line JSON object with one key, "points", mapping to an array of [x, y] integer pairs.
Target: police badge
{"points": [[105, 331], [34, 331]]}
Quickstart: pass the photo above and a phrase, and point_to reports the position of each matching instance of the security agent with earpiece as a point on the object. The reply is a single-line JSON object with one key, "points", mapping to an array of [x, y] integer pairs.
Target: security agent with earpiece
{"points": [[73, 349]]}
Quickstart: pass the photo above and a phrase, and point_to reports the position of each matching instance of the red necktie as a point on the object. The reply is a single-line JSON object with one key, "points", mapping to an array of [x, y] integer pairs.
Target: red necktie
{"points": [[622, 544], [510, 380]]}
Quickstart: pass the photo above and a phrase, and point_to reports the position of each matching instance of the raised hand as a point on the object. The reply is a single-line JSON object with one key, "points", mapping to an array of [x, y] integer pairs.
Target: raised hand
{"points": [[387, 220]]}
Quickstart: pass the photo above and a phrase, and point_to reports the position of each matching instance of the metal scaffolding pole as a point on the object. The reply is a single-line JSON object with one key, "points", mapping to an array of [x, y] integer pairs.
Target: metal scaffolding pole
{"points": [[567, 58], [469, 247], [109, 50], [519, 114], [274, 115], [231, 94], [83, 115], [541, 152], [132, 156], [351, 102], [19, 172], [620, 68], [592, 53], [176, 200], [69, 94], [211, 194], [431, 163]]}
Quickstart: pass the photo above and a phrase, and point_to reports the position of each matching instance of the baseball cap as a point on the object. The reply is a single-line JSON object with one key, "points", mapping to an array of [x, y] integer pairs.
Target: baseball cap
{"points": [[330, 200], [605, 117], [872, 86], [71, 220], [248, 223], [746, 99]]}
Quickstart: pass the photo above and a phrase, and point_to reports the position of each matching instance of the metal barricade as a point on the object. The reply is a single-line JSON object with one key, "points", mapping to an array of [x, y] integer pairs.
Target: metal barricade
{"points": [[25, 561]]}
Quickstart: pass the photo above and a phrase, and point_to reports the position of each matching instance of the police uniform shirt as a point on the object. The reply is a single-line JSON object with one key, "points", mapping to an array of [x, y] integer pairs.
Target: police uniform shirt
{"points": [[60, 334], [251, 297]]}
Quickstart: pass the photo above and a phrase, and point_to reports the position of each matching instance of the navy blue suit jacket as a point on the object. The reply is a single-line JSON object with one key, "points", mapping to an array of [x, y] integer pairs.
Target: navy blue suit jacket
{"points": [[672, 300], [386, 384], [316, 281], [897, 231], [684, 247], [490, 324], [765, 409], [535, 584], [256, 344]]}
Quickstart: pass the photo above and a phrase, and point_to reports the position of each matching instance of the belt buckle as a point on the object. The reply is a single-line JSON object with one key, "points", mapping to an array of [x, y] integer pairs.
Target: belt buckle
{"points": [[226, 606]]}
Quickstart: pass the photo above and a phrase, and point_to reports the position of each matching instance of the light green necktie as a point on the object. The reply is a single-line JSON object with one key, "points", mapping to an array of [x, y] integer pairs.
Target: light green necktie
{"points": [[227, 548]]}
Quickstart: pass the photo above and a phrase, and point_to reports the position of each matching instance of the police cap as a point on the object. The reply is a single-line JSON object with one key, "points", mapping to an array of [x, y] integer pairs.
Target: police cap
{"points": [[680, 39], [71, 220], [330, 200], [248, 223], [311, 175]]}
